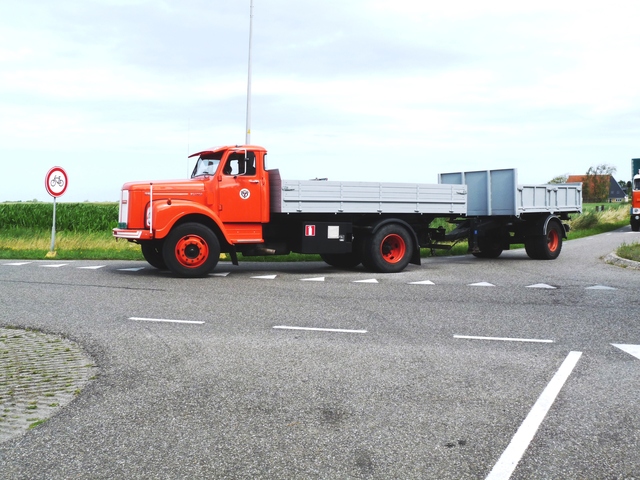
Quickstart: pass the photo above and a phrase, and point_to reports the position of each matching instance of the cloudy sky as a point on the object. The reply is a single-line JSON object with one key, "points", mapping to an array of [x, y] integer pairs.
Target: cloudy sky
{"points": [[120, 90]]}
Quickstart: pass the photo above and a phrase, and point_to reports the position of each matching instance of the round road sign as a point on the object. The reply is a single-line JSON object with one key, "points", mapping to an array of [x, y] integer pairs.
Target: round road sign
{"points": [[56, 181]]}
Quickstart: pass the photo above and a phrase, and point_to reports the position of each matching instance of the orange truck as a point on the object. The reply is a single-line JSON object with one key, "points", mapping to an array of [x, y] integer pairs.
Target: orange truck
{"points": [[233, 204], [635, 194]]}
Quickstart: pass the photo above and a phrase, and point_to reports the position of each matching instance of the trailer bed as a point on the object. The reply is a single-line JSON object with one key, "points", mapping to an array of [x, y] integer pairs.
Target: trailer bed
{"points": [[496, 192], [312, 196]]}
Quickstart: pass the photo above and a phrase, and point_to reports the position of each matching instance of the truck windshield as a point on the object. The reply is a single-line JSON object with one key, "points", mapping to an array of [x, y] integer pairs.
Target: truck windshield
{"points": [[205, 166]]}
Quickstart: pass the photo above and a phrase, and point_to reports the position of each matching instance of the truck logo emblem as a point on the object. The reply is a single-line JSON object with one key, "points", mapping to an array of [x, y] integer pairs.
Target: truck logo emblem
{"points": [[245, 193], [310, 230]]}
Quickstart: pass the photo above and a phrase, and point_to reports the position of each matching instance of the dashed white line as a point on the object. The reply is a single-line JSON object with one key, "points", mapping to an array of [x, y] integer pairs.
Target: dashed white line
{"points": [[503, 339], [312, 329], [141, 319], [510, 458]]}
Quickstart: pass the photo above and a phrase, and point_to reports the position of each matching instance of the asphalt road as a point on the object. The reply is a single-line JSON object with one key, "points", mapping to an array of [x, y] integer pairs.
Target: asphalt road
{"points": [[399, 387]]}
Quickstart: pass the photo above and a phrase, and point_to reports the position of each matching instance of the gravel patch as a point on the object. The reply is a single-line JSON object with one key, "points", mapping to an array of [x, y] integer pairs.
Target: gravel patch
{"points": [[39, 374]]}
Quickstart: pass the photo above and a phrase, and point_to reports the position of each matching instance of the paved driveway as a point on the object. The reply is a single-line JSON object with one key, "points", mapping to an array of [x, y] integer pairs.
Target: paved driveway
{"points": [[305, 371]]}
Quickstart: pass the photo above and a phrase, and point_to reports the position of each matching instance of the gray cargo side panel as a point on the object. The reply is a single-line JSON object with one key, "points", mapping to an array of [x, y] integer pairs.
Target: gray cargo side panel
{"points": [[490, 192], [307, 196]]}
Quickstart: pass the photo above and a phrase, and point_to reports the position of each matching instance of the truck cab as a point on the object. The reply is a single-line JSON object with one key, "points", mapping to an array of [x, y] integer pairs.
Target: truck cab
{"points": [[224, 203], [635, 203]]}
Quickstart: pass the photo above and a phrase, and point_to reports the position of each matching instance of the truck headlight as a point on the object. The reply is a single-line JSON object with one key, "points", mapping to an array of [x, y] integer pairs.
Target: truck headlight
{"points": [[636, 211]]}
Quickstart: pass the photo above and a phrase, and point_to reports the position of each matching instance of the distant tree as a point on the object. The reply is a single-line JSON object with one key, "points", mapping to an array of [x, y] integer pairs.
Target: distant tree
{"points": [[597, 182], [559, 179]]}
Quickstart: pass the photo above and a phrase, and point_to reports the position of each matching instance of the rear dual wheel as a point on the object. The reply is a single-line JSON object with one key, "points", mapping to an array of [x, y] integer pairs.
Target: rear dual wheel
{"points": [[191, 250], [547, 246], [388, 250]]}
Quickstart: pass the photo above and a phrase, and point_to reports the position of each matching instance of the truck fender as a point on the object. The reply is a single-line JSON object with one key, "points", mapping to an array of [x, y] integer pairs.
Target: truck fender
{"points": [[166, 213], [415, 255], [547, 222]]}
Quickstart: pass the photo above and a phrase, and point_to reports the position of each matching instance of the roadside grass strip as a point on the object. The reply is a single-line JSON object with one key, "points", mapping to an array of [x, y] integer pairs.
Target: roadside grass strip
{"points": [[510, 458], [39, 374]]}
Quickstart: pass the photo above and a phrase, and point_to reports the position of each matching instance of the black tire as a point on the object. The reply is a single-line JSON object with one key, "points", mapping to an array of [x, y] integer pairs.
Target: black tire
{"points": [[531, 247], [489, 248], [342, 260], [548, 246], [635, 226], [152, 253], [191, 250], [388, 250]]}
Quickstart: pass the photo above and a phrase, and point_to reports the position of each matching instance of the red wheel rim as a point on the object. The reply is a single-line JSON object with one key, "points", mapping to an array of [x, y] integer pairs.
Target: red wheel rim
{"points": [[553, 240], [192, 251], [393, 248]]}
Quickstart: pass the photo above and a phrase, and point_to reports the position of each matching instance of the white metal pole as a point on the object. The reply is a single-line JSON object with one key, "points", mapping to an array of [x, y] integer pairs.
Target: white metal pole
{"points": [[248, 133], [53, 228]]}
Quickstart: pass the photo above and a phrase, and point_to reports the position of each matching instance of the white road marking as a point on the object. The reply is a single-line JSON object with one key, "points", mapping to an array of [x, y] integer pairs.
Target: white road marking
{"points": [[630, 349], [312, 329], [503, 339], [221, 274], [510, 458], [315, 279], [422, 282], [140, 319], [481, 284], [57, 265], [541, 285], [96, 267], [17, 264], [135, 269], [266, 277], [600, 287], [370, 280]]}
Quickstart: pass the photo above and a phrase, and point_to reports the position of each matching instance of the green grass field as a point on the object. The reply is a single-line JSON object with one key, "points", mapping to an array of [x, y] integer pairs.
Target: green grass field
{"points": [[83, 231]]}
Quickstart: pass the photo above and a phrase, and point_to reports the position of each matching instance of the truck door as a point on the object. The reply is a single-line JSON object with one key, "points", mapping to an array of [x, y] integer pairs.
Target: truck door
{"points": [[240, 189]]}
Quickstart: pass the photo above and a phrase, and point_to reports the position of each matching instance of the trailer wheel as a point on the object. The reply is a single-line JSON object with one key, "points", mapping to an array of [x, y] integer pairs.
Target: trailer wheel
{"points": [[152, 253], [489, 248], [341, 260], [191, 250], [545, 247], [388, 250]]}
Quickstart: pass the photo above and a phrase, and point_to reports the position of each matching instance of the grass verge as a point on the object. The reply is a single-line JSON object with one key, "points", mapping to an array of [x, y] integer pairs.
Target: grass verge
{"points": [[34, 244]]}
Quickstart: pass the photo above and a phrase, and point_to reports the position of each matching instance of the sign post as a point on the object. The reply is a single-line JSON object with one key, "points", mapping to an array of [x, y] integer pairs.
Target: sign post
{"points": [[56, 184]]}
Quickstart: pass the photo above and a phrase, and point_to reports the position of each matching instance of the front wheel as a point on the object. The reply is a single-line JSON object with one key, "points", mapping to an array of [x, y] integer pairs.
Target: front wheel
{"points": [[191, 250], [388, 250], [152, 253]]}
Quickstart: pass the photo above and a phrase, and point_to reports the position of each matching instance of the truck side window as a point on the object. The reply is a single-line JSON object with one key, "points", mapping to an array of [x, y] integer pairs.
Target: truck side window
{"points": [[241, 165], [250, 164]]}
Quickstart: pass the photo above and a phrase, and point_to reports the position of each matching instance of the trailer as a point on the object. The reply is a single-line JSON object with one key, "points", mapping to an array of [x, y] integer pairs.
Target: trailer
{"points": [[232, 204]]}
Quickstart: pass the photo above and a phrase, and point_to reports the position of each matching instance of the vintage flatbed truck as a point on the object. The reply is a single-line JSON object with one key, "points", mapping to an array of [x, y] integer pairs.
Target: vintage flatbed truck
{"points": [[233, 204]]}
